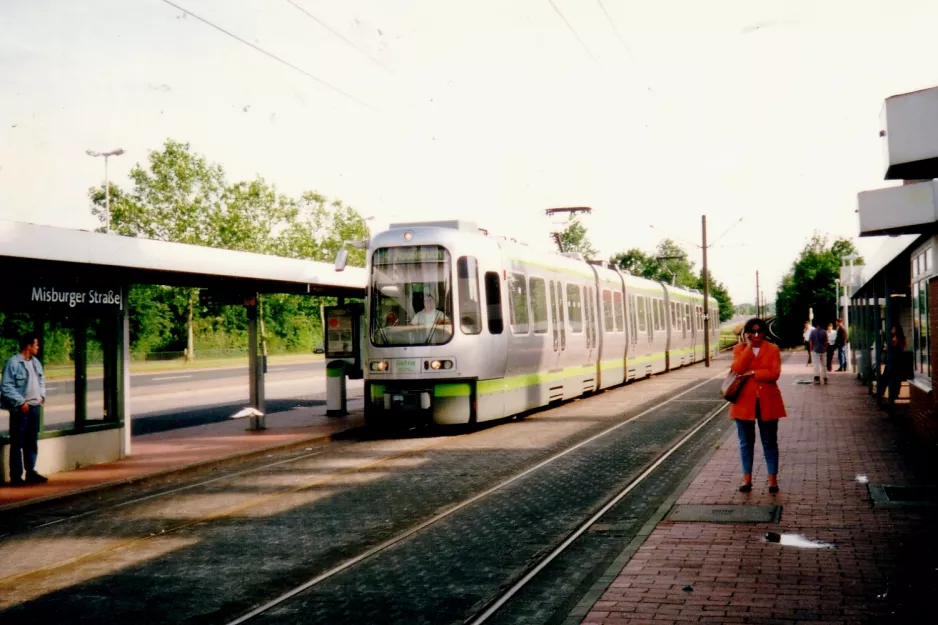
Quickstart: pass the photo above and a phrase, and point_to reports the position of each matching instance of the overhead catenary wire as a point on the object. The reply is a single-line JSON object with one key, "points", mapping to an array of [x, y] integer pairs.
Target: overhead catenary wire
{"points": [[339, 35], [575, 34], [616, 30], [271, 55]]}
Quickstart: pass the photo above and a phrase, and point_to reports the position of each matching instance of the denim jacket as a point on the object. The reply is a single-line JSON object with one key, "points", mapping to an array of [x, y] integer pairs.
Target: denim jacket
{"points": [[15, 378]]}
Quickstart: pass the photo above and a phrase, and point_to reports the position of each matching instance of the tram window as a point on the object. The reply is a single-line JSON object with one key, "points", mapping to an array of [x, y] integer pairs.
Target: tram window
{"points": [[574, 309], [664, 314], [655, 315], [493, 302], [518, 303], [687, 325], [608, 318], [539, 305], [470, 313], [640, 304], [674, 323], [617, 298]]}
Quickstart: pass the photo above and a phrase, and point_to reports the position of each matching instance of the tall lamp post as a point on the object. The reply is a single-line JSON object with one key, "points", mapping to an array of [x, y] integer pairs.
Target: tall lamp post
{"points": [[107, 185]]}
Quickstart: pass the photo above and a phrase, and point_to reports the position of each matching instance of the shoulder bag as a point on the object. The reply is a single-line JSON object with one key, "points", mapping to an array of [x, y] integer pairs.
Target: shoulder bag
{"points": [[732, 385]]}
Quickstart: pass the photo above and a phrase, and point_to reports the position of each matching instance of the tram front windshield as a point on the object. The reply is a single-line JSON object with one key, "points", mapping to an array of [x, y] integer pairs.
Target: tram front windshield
{"points": [[411, 296]]}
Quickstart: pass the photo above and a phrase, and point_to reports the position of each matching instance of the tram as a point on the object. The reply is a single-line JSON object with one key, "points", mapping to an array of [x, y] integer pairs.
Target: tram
{"points": [[463, 327]]}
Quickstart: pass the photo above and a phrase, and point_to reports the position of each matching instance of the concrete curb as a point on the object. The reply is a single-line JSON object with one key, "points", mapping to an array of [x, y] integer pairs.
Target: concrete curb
{"points": [[198, 464]]}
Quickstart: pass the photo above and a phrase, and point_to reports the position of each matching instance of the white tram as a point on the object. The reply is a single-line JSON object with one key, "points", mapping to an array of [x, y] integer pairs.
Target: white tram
{"points": [[463, 327]]}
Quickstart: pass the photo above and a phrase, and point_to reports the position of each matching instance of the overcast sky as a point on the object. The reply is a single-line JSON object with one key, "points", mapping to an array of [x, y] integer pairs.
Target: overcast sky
{"points": [[652, 113]]}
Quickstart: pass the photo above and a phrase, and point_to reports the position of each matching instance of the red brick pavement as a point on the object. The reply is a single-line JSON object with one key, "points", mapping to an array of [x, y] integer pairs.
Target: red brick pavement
{"points": [[883, 564]]}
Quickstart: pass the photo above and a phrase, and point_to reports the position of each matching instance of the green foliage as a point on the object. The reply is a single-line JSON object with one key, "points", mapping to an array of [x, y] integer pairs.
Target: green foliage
{"points": [[810, 284], [574, 238], [180, 196], [670, 264]]}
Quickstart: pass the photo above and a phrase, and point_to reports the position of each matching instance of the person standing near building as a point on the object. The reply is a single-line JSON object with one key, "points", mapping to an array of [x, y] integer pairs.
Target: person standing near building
{"points": [[831, 339], [22, 392], [818, 342], [841, 344], [807, 340]]}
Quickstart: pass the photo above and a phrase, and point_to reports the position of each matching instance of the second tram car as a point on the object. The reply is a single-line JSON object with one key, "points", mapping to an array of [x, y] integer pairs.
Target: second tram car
{"points": [[463, 327]]}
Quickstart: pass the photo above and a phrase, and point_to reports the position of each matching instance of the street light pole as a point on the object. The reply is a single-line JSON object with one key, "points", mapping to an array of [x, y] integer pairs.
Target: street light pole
{"points": [[107, 185], [706, 294]]}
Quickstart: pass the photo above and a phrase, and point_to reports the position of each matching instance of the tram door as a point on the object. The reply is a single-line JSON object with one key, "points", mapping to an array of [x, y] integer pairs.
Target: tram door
{"points": [[555, 359]]}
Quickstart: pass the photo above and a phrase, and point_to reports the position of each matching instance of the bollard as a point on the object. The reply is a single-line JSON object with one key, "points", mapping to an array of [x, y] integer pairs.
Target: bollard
{"points": [[335, 389]]}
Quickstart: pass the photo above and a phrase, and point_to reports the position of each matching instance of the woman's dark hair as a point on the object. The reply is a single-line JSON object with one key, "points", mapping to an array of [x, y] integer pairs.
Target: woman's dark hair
{"points": [[755, 321], [899, 333]]}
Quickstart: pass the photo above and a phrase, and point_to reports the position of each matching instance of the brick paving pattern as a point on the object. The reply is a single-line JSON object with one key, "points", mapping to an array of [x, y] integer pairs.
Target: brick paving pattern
{"points": [[881, 569]]}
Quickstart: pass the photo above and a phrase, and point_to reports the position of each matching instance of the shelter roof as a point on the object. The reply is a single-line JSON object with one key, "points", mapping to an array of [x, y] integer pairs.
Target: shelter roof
{"points": [[48, 250]]}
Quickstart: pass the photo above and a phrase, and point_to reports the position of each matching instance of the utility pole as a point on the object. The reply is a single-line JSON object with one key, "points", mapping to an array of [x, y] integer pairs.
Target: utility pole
{"points": [[706, 281], [758, 306]]}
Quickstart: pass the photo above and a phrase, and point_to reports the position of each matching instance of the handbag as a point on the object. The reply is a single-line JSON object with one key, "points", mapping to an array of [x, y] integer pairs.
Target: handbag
{"points": [[732, 385]]}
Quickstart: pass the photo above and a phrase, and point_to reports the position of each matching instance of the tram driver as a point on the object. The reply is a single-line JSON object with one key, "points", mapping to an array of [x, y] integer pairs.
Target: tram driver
{"points": [[429, 316]]}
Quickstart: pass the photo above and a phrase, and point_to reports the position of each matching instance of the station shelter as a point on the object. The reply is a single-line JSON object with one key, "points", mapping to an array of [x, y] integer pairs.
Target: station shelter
{"points": [[74, 284], [897, 292]]}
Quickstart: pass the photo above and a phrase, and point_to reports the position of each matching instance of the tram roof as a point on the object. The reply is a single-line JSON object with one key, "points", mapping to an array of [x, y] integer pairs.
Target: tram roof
{"points": [[49, 250]]}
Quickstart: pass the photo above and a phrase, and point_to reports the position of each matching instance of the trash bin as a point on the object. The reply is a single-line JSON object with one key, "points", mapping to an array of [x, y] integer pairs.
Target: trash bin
{"points": [[335, 388]]}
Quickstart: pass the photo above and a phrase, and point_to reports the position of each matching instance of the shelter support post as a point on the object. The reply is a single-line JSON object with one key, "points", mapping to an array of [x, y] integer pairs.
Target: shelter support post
{"points": [[123, 383], [81, 370], [255, 366]]}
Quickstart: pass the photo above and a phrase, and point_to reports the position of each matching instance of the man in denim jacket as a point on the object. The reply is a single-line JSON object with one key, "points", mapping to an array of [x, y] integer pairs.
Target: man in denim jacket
{"points": [[23, 389]]}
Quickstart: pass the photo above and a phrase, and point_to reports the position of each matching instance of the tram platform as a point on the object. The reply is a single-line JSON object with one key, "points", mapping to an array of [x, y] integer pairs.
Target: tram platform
{"points": [[855, 541], [172, 451]]}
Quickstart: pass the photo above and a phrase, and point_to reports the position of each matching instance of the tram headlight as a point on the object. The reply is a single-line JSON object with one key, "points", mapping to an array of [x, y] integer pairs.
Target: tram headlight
{"points": [[436, 365], [379, 365]]}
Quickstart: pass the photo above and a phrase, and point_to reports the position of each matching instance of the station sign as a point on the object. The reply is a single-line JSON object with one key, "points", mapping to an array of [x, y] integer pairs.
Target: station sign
{"points": [[72, 297]]}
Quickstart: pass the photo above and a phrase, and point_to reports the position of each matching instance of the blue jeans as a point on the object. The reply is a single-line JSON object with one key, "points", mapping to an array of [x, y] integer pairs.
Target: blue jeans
{"points": [[842, 356], [768, 432], [24, 441]]}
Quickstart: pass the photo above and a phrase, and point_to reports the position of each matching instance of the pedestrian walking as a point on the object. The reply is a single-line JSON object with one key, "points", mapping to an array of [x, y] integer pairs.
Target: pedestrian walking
{"points": [[831, 338], [841, 342], [807, 340], [759, 401], [22, 392], [818, 342]]}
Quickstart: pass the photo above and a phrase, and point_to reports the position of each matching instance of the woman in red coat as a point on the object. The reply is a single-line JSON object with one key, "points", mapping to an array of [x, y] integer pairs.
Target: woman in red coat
{"points": [[759, 400]]}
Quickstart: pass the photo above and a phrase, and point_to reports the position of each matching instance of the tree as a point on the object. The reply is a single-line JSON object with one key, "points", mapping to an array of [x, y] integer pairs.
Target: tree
{"points": [[574, 238], [670, 264], [181, 197], [810, 284]]}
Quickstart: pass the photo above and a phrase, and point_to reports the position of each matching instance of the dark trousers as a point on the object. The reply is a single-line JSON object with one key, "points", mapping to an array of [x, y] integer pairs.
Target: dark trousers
{"points": [[830, 356], [807, 348], [24, 441]]}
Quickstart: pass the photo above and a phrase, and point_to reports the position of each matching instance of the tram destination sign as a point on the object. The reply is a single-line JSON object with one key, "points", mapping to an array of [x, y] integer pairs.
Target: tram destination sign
{"points": [[71, 296]]}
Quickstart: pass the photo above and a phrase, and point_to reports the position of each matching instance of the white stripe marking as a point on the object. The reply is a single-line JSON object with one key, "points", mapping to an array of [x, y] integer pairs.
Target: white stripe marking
{"points": [[172, 377]]}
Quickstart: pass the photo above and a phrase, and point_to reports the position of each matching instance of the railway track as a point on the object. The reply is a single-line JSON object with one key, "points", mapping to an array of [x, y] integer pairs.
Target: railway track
{"points": [[384, 456]]}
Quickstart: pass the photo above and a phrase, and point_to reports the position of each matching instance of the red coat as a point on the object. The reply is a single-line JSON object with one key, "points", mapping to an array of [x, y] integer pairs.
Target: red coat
{"points": [[767, 367]]}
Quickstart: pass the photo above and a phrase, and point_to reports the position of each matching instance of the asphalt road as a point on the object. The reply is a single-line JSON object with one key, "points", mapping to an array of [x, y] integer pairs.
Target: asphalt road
{"points": [[171, 400], [171, 378]]}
